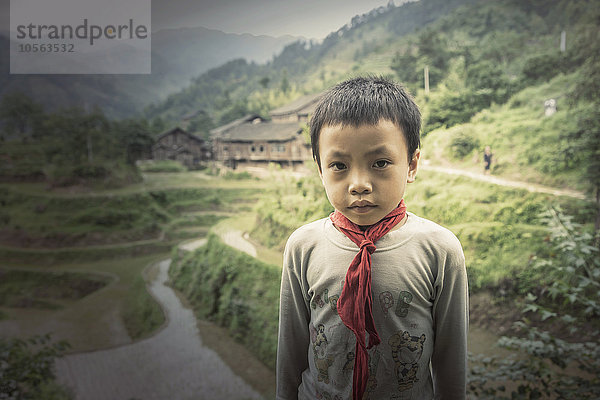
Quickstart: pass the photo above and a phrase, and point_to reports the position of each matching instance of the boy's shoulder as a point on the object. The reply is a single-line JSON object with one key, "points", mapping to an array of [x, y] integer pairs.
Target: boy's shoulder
{"points": [[308, 234], [432, 233]]}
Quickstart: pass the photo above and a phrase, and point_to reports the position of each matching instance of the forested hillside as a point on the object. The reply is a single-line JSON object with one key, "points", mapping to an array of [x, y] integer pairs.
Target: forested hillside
{"points": [[177, 56], [491, 67]]}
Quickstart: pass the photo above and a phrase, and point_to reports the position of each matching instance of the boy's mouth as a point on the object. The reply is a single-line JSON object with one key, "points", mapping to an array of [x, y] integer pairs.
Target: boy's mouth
{"points": [[362, 206]]}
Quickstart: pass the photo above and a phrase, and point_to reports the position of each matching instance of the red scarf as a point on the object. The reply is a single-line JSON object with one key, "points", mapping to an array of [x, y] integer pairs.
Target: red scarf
{"points": [[355, 305]]}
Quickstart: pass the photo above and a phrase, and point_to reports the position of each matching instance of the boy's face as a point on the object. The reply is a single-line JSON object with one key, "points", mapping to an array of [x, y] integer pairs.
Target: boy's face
{"points": [[365, 169]]}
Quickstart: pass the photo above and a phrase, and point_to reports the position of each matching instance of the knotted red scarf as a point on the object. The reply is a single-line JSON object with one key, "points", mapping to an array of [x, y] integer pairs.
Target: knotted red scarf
{"points": [[355, 305]]}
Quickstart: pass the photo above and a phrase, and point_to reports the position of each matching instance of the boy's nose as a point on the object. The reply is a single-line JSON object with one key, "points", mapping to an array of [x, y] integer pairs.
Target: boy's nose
{"points": [[360, 184]]}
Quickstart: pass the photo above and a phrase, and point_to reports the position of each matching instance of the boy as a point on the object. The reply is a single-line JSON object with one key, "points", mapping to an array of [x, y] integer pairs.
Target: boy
{"points": [[374, 301]]}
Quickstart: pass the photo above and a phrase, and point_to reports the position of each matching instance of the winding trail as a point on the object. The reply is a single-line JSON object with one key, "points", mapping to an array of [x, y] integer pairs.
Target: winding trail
{"points": [[532, 187], [173, 364]]}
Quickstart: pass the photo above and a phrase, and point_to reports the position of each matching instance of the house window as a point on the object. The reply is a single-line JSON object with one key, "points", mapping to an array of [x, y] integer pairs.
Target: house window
{"points": [[278, 148], [261, 148], [253, 149]]}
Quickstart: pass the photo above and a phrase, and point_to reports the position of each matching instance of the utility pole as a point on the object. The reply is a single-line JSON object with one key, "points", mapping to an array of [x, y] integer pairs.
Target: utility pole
{"points": [[90, 150], [426, 77], [563, 41]]}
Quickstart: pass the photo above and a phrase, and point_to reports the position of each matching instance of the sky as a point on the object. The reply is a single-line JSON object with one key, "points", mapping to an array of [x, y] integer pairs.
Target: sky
{"points": [[312, 19]]}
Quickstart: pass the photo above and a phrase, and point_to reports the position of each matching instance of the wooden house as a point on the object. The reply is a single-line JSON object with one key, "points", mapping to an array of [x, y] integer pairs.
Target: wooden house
{"points": [[179, 145], [298, 110], [261, 143], [252, 141]]}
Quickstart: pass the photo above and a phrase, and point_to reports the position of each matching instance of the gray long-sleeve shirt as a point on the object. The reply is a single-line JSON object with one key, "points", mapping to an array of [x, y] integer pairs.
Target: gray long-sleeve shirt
{"points": [[420, 308]]}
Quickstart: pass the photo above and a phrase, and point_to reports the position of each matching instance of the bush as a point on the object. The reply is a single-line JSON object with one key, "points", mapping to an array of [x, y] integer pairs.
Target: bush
{"points": [[543, 67], [26, 368], [562, 363], [237, 176], [463, 144]]}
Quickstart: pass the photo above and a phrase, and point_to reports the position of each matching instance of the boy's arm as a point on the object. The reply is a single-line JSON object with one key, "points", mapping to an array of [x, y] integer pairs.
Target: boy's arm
{"points": [[294, 336], [451, 324]]}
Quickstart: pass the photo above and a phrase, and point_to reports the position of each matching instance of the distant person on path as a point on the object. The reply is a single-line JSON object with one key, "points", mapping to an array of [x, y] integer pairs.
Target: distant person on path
{"points": [[374, 299], [487, 160]]}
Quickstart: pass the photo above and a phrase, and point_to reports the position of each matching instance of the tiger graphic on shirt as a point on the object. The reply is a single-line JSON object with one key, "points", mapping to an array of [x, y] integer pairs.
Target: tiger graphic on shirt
{"points": [[406, 353]]}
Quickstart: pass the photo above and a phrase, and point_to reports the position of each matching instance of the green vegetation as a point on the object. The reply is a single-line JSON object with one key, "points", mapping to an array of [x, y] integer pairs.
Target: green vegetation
{"points": [[26, 369], [559, 330], [234, 290], [141, 314], [101, 233], [162, 166], [69, 147], [137, 219], [35, 289]]}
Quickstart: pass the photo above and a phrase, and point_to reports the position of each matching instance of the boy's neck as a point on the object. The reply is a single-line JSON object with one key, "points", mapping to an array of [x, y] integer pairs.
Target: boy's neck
{"points": [[397, 226]]}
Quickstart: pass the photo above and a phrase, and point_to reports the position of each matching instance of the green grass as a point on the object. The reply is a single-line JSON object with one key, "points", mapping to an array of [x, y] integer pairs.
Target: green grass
{"points": [[248, 222], [162, 166], [141, 313], [234, 290], [46, 290], [525, 143], [41, 220]]}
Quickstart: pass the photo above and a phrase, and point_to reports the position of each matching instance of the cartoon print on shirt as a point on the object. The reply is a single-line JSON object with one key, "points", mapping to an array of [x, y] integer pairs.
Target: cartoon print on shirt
{"points": [[317, 301], [349, 365], [406, 352], [327, 396], [372, 381], [320, 300], [386, 300], [322, 361], [404, 299]]}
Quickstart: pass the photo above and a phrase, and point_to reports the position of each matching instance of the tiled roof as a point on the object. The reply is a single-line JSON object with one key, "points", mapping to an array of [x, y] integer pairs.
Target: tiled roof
{"points": [[264, 131], [304, 103], [224, 128], [173, 130]]}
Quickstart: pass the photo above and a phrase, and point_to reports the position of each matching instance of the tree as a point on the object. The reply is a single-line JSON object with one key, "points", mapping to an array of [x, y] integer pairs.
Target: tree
{"points": [[553, 364], [264, 82], [134, 139], [201, 124], [158, 125], [406, 67], [285, 83], [584, 141], [19, 113]]}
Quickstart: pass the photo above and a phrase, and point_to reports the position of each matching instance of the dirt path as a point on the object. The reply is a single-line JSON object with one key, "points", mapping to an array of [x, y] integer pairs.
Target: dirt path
{"points": [[173, 364], [236, 240], [532, 187]]}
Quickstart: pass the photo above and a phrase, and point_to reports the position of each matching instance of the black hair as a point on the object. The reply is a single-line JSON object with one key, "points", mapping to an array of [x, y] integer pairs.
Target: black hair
{"points": [[367, 101]]}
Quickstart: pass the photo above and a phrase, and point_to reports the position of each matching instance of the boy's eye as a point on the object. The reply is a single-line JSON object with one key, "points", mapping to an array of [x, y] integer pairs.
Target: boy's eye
{"points": [[338, 166], [381, 163]]}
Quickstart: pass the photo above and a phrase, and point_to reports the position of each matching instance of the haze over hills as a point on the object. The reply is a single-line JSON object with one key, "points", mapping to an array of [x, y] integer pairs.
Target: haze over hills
{"points": [[177, 56]]}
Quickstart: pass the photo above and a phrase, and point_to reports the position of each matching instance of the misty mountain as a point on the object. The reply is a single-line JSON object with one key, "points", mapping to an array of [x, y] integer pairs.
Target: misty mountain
{"points": [[178, 55]]}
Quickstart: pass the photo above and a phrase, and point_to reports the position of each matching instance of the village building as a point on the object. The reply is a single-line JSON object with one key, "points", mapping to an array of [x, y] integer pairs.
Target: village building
{"points": [[179, 145], [298, 110], [252, 141]]}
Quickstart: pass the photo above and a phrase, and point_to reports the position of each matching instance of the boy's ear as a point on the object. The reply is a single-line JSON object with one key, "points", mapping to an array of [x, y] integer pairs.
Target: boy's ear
{"points": [[412, 167], [319, 170]]}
